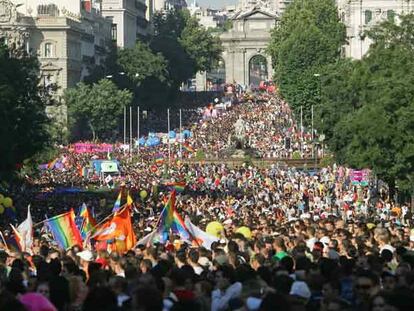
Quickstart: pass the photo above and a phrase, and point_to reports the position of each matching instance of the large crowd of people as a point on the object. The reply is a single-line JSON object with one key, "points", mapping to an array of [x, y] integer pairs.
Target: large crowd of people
{"points": [[316, 240]]}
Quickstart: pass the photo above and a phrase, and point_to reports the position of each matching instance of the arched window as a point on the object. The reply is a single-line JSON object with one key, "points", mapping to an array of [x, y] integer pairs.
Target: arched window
{"points": [[257, 70], [48, 50], [368, 16], [391, 15]]}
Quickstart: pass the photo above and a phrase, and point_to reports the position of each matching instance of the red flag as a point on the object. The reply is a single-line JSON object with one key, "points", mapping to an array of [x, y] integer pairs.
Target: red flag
{"points": [[119, 230]]}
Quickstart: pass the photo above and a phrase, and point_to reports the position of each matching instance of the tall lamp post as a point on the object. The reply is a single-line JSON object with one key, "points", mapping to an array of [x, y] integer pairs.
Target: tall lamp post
{"points": [[315, 150]]}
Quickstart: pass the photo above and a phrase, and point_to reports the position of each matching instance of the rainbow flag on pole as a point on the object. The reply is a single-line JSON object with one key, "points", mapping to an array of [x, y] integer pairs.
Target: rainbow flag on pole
{"points": [[64, 230], [188, 148], [159, 159], [88, 222], [178, 186], [167, 215], [117, 204], [52, 163]]}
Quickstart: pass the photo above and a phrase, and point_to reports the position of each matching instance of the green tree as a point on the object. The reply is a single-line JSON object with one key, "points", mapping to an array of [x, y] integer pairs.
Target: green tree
{"points": [[186, 45], [204, 48], [141, 63], [368, 106], [23, 130], [98, 106], [308, 38]]}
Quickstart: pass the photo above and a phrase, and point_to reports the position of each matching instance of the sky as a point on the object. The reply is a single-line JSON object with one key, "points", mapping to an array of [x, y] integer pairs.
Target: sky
{"points": [[214, 3]]}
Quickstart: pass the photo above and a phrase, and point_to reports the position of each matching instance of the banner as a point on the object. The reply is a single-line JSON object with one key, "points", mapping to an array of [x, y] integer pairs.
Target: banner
{"points": [[91, 148], [359, 177]]}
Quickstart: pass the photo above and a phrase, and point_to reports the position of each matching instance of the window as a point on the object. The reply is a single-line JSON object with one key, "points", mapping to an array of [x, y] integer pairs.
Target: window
{"points": [[368, 16], [391, 15], [48, 50], [114, 32]]}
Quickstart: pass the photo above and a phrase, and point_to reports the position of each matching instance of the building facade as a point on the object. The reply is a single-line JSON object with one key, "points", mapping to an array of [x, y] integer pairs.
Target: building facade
{"points": [[360, 15], [128, 20], [68, 40], [154, 6]]}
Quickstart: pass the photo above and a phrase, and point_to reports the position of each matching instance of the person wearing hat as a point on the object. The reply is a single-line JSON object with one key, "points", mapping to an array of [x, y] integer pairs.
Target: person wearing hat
{"points": [[85, 257]]}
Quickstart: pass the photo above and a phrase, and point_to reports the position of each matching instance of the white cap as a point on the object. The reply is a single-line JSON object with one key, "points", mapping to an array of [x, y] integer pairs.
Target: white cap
{"points": [[85, 255], [300, 289], [325, 240]]}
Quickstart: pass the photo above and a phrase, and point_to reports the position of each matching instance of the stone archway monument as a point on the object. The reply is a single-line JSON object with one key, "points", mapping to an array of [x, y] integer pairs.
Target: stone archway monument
{"points": [[247, 42]]}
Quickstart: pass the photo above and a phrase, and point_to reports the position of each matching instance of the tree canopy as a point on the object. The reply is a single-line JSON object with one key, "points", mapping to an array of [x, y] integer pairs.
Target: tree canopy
{"points": [[308, 37], [367, 111], [141, 63], [23, 119], [97, 107]]}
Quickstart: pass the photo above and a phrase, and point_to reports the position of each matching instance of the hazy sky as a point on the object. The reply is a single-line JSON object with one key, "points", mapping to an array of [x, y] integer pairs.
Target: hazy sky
{"points": [[214, 3]]}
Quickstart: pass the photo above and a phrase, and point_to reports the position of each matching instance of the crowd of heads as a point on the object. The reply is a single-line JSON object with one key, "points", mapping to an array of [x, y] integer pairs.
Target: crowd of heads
{"points": [[317, 240]]}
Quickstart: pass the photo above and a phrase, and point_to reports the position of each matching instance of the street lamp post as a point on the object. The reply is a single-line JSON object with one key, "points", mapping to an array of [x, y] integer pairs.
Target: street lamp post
{"points": [[316, 75]]}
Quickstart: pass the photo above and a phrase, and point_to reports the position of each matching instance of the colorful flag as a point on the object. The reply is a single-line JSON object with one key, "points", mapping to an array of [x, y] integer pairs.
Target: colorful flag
{"points": [[119, 231], [177, 186], [117, 204], [188, 148], [159, 159], [167, 215], [171, 221], [129, 200], [52, 164], [64, 230], [203, 238], [25, 230], [88, 222], [17, 244]]}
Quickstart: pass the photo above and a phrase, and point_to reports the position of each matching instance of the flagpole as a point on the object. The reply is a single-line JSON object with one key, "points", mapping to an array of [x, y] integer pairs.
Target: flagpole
{"points": [[181, 135], [138, 128], [168, 136], [130, 129], [43, 221], [301, 129], [107, 217], [4, 240], [124, 125]]}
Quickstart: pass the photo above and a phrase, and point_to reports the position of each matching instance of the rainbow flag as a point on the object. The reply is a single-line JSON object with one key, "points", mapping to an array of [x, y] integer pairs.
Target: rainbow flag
{"points": [[188, 148], [88, 223], [117, 204], [177, 186], [159, 159], [169, 221], [178, 227], [167, 215], [129, 200], [52, 164], [64, 230]]}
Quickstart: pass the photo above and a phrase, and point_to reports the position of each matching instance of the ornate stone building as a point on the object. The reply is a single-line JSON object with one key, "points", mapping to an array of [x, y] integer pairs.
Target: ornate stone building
{"points": [[128, 20], [244, 60], [244, 46], [360, 15], [68, 40]]}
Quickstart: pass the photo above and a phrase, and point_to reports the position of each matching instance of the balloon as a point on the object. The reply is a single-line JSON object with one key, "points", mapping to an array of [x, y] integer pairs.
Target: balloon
{"points": [[1, 209], [245, 231], [7, 202], [172, 134], [143, 194], [1, 198], [214, 228]]}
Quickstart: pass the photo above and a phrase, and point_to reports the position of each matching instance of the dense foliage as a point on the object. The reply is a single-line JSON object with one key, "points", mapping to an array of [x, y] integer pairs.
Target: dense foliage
{"points": [[96, 107], [308, 37], [367, 110], [24, 124]]}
